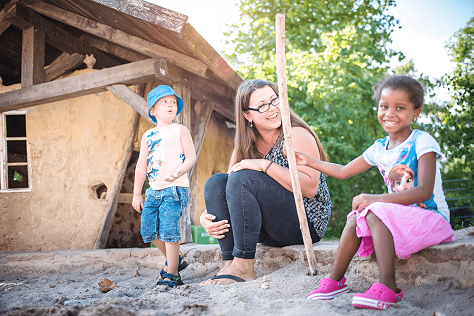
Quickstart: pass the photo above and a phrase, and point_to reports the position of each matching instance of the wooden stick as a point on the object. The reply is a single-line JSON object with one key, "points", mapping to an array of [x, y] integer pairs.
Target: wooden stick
{"points": [[290, 150]]}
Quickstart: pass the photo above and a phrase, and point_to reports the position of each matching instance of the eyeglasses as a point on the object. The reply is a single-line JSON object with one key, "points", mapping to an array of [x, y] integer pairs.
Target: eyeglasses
{"points": [[265, 107]]}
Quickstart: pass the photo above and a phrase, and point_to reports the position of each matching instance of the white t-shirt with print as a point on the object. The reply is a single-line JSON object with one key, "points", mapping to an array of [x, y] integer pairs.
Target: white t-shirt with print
{"points": [[408, 153]]}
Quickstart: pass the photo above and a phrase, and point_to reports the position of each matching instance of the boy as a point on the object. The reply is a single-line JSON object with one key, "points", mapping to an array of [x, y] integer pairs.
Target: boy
{"points": [[166, 154]]}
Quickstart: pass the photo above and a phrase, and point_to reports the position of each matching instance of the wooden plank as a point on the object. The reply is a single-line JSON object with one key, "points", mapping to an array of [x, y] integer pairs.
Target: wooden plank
{"points": [[62, 64], [165, 18], [184, 117], [104, 231], [127, 198], [32, 61], [4, 24], [290, 149], [24, 18], [131, 98], [113, 49], [118, 37], [201, 124], [94, 82], [198, 45], [198, 137], [14, 17]]}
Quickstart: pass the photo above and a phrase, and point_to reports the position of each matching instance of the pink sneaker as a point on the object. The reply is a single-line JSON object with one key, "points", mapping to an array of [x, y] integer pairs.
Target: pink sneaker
{"points": [[377, 297], [329, 289]]}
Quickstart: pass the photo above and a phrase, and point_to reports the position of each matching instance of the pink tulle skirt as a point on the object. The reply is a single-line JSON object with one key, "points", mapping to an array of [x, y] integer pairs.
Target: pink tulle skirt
{"points": [[413, 228]]}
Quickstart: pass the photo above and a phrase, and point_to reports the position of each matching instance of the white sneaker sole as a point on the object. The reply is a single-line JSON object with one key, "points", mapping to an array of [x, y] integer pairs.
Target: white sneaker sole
{"points": [[365, 302], [327, 296]]}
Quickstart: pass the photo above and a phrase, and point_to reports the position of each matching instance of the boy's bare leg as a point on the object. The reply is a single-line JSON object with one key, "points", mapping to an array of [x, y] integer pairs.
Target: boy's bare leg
{"points": [[172, 256], [348, 245], [161, 245]]}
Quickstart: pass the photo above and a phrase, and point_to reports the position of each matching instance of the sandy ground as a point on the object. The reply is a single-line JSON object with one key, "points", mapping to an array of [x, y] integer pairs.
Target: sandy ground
{"points": [[77, 292]]}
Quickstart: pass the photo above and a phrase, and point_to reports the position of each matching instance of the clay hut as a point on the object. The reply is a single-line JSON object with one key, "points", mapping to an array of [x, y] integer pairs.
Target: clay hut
{"points": [[71, 123]]}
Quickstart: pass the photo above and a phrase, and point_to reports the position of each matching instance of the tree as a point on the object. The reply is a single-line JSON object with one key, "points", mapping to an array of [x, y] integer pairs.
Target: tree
{"points": [[457, 117], [455, 120], [336, 52]]}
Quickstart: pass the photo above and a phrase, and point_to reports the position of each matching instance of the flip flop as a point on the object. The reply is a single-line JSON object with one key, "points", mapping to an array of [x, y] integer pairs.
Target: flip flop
{"points": [[228, 276]]}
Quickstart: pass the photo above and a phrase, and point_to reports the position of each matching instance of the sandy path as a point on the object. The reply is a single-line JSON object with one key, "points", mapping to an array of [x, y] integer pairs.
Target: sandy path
{"points": [[77, 292]]}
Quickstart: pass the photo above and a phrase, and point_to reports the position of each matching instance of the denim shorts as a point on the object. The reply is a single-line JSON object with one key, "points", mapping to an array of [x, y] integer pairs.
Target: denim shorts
{"points": [[161, 212]]}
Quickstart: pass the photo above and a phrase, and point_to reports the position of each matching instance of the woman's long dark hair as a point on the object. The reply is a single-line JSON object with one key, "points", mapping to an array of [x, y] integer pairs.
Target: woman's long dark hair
{"points": [[245, 136]]}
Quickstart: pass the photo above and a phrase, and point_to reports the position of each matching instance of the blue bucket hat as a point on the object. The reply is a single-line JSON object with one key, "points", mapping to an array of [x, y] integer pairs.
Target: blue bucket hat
{"points": [[158, 93]]}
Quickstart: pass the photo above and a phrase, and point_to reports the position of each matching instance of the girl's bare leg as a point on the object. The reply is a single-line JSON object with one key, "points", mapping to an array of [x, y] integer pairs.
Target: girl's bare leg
{"points": [[348, 245], [384, 250]]}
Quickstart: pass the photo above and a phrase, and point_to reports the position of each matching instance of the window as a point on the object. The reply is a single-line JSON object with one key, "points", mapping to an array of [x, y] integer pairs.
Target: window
{"points": [[14, 157]]}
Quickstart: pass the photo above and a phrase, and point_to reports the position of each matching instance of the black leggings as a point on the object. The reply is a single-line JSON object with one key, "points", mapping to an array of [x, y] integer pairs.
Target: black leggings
{"points": [[258, 209]]}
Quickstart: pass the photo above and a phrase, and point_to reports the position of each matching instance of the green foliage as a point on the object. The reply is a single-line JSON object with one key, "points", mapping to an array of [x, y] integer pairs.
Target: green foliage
{"points": [[335, 52], [457, 117], [453, 122]]}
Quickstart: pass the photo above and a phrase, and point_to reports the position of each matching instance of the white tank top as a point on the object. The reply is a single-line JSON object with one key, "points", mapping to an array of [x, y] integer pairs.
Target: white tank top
{"points": [[165, 154]]}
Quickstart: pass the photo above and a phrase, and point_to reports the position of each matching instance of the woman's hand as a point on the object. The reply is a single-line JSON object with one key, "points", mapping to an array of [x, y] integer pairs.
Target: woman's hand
{"points": [[252, 164], [214, 229], [137, 203], [363, 200]]}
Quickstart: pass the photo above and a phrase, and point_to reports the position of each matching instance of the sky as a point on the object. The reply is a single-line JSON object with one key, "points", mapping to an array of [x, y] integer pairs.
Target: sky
{"points": [[426, 27]]}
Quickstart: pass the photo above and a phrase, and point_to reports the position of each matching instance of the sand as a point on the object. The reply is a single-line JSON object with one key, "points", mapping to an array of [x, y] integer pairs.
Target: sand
{"points": [[76, 292]]}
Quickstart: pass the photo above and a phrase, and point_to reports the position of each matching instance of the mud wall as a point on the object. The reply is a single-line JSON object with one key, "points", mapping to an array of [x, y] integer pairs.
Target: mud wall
{"points": [[74, 146], [213, 158]]}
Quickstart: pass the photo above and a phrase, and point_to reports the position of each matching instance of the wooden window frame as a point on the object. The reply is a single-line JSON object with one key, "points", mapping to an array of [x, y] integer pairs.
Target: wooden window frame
{"points": [[4, 155]]}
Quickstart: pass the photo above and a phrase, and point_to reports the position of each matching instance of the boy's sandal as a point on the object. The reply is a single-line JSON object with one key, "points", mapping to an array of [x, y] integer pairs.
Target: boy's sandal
{"points": [[329, 289], [181, 265], [377, 297], [173, 280]]}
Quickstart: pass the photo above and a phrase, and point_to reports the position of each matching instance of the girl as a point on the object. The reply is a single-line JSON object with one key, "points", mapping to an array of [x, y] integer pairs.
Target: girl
{"points": [[388, 223]]}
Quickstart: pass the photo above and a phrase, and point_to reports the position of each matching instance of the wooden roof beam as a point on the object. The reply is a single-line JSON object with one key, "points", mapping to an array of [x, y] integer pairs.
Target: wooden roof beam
{"points": [[24, 18], [198, 45], [94, 82], [112, 48], [4, 24], [165, 18], [137, 102], [118, 37], [62, 64]]}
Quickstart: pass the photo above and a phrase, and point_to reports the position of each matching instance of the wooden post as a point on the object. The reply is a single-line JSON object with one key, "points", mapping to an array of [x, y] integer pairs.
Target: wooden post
{"points": [[290, 151], [32, 57], [113, 197], [184, 117]]}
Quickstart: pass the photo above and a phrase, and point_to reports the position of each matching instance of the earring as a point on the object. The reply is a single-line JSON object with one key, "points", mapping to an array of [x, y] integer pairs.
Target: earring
{"points": [[251, 124]]}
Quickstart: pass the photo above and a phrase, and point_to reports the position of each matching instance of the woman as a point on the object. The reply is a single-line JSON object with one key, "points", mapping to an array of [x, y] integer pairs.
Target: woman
{"points": [[254, 202]]}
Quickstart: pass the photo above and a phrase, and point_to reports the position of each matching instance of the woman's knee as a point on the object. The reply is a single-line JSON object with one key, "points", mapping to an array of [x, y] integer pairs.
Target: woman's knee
{"points": [[216, 183], [237, 179]]}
